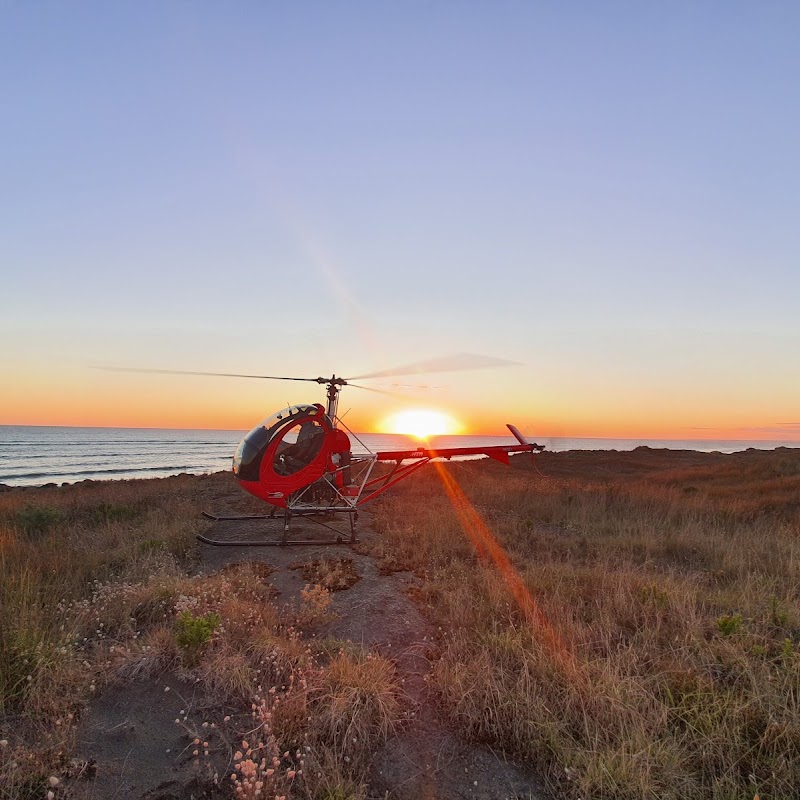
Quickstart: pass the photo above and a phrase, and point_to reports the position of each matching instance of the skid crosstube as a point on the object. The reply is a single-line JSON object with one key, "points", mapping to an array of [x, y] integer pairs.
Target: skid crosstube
{"points": [[233, 518]]}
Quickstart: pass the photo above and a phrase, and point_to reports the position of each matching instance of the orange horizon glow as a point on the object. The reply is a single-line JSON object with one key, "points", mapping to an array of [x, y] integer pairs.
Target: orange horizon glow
{"points": [[43, 415], [533, 435], [55, 398]]}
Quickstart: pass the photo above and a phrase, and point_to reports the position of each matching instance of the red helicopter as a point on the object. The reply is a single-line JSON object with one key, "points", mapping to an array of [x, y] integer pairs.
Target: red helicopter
{"points": [[300, 460]]}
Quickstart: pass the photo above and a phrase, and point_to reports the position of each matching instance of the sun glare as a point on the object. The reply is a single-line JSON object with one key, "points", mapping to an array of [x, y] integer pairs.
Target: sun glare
{"points": [[421, 423]]}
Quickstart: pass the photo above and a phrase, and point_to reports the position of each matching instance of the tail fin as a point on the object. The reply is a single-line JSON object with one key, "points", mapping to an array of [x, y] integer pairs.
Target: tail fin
{"points": [[521, 439], [517, 435]]}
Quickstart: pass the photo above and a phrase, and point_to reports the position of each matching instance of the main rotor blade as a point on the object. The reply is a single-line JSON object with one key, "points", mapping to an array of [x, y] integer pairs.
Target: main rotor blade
{"points": [[454, 363], [213, 374], [372, 389]]}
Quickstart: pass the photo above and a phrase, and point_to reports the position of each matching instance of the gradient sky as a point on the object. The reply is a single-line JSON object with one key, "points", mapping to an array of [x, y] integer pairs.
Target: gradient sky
{"points": [[608, 193]]}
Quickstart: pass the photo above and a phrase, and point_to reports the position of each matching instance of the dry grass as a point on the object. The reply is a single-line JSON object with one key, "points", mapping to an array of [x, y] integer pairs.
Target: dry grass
{"points": [[632, 629], [634, 638], [60, 550], [94, 590], [356, 702], [334, 574]]}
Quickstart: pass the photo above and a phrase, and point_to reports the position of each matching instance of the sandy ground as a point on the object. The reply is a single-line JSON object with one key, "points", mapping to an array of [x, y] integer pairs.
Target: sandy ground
{"points": [[139, 751]]}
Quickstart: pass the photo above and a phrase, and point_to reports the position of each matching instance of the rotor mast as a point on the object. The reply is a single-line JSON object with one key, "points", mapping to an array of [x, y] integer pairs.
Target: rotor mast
{"points": [[334, 385]]}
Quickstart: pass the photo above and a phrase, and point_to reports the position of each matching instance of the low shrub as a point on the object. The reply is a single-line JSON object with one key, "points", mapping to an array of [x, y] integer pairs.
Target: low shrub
{"points": [[193, 633], [106, 513], [729, 624], [36, 521]]}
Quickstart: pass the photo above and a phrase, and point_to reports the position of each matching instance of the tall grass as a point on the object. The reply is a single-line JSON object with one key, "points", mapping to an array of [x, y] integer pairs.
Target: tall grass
{"points": [[655, 652], [59, 550], [631, 627], [95, 589], [56, 544]]}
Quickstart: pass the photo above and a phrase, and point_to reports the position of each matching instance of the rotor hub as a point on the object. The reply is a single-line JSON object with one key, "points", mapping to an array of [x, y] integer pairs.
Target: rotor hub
{"points": [[332, 381]]}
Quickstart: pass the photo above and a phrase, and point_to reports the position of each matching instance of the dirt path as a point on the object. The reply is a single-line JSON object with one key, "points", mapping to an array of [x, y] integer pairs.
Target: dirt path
{"points": [[131, 730]]}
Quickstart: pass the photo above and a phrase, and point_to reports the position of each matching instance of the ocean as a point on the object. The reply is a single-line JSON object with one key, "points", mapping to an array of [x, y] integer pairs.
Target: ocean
{"points": [[32, 456]]}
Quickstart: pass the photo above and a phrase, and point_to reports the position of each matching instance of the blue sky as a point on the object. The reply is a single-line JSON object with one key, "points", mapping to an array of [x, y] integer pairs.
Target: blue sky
{"points": [[608, 193]]}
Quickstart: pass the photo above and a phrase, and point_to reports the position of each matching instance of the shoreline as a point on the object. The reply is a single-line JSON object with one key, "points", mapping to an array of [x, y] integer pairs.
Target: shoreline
{"points": [[556, 458], [41, 456], [499, 434]]}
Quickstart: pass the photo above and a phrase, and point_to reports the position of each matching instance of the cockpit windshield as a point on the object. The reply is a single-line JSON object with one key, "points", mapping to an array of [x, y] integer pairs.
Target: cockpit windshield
{"points": [[284, 414], [249, 453]]}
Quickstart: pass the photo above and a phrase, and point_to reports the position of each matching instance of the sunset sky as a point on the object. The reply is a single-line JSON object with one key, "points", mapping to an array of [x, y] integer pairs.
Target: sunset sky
{"points": [[606, 193]]}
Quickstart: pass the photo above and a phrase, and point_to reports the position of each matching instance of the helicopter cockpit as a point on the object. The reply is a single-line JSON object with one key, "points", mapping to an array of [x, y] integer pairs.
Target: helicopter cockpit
{"points": [[300, 430]]}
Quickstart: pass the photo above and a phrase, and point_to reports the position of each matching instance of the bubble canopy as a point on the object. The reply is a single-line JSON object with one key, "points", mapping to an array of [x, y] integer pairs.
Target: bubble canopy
{"points": [[300, 429]]}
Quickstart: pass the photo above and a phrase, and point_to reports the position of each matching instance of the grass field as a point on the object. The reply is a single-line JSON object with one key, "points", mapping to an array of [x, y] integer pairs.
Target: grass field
{"points": [[629, 624], [95, 591]]}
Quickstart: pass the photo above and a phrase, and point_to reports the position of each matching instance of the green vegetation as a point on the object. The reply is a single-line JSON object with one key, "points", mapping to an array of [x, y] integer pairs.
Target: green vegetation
{"points": [[106, 513], [36, 521], [728, 624], [194, 632]]}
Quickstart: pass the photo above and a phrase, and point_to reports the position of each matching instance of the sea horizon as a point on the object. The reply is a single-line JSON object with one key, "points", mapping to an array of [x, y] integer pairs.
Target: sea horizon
{"points": [[34, 455], [777, 442]]}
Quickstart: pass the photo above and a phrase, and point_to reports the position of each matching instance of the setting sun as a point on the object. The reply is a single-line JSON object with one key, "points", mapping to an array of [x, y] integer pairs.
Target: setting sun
{"points": [[421, 423]]}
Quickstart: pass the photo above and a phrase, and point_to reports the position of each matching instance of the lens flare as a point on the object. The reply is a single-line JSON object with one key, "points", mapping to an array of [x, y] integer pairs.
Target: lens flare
{"points": [[488, 548]]}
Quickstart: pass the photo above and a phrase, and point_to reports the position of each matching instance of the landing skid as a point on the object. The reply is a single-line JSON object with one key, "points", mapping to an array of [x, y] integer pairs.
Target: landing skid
{"points": [[288, 543], [272, 515], [284, 541]]}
